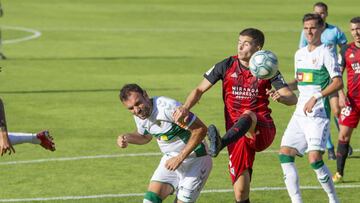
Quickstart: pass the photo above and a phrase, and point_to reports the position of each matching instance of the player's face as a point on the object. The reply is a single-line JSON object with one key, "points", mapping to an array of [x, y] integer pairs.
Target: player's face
{"points": [[321, 11], [355, 32], [138, 104], [246, 47], [312, 32]]}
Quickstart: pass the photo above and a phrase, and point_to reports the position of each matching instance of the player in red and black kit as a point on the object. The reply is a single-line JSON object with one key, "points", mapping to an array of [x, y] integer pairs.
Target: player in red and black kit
{"points": [[246, 100], [350, 113]]}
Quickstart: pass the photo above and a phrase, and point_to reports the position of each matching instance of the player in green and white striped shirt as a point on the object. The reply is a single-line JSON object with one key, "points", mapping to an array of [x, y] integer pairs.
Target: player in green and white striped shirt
{"points": [[185, 165], [317, 75]]}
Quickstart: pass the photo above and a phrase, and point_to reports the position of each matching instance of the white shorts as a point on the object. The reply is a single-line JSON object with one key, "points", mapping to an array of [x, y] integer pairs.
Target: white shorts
{"points": [[188, 179], [306, 134]]}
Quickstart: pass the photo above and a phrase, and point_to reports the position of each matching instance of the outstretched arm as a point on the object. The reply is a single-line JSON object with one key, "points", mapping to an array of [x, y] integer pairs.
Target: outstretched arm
{"points": [[284, 96], [132, 138], [196, 94], [198, 132], [181, 114], [5, 145], [293, 85]]}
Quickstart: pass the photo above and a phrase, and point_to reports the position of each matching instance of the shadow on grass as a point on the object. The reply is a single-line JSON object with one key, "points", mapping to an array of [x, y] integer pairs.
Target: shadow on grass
{"points": [[78, 91]]}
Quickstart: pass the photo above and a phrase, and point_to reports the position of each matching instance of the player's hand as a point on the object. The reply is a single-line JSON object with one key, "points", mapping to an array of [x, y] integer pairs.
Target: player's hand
{"points": [[5, 145], [173, 163], [122, 141], [343, 100], [309, 105], [275, 96], [181, 115]]}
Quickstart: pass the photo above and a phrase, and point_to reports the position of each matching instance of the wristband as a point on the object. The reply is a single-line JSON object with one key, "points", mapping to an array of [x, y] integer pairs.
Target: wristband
{"points": [[318, 95]]}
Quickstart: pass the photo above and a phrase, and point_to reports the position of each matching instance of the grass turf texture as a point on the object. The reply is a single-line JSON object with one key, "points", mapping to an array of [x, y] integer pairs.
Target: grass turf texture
{"points": [[68, 79]]}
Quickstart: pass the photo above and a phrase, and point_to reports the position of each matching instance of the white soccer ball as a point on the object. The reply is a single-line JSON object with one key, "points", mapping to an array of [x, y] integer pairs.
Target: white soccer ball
{"points": [[263, 64]]}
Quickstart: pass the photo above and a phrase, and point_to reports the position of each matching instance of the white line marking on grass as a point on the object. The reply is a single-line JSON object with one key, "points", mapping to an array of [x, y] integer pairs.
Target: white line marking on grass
{"points": [[34, 34], [80, 158], [141, 194], [104, 157]]}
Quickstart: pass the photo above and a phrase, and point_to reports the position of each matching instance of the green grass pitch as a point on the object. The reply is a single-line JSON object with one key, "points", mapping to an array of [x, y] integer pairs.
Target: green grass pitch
{"points": [[67, 80]]}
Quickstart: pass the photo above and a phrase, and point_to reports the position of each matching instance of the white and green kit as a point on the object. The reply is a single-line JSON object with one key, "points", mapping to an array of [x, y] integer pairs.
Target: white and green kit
{"points": [[313, 72], [192, 174]]}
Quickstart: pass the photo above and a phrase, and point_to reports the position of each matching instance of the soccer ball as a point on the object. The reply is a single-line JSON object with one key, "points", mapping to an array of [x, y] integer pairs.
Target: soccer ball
{"points": [[263, 64]]}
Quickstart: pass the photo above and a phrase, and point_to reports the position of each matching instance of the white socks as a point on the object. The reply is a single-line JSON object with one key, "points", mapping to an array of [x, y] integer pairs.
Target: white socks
{"points": [[19, 138], [291, 179], [324, 176]]}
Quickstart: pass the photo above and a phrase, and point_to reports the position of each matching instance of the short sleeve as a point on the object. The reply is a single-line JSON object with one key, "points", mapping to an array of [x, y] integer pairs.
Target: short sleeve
{"points": [[217, 72], [171, 106], [140, 129], [341, 57], [278, 81], [331, 64], [341, 38]]}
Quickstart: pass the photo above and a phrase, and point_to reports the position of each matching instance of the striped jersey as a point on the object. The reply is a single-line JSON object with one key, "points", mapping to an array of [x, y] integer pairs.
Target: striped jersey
{"points": [[350, 60], [313, 72], [242, 91], [170, 137]]}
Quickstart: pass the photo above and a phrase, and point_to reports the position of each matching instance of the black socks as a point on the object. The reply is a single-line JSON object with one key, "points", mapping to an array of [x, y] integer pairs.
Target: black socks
{"points": [[341, 155], [237, 130]]}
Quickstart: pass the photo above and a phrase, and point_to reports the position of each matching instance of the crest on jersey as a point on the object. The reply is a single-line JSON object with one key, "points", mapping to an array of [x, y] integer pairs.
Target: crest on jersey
{"points": [[164, 138], [305, 77]]}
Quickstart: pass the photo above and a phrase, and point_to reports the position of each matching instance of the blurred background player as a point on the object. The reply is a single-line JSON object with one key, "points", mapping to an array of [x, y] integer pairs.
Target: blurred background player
{"points": [[2, 56], [246, 100], [350, 114], [7, 140], [185, 165], [332, 37], [315, 66]]}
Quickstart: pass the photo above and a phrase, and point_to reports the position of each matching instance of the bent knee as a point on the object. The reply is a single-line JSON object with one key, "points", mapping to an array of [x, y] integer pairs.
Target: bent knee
{"points": [[251, 114], [241, 194], [288, 151]]}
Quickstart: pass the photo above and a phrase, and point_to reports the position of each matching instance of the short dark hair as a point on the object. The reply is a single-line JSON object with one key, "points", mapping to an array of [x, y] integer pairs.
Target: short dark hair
{"points": [[355, 20], [256, 34], [127, 88], [314, 16], [321, 4]]}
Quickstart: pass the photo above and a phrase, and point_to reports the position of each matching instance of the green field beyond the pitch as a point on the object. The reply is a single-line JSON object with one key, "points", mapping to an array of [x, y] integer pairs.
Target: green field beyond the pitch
{"points": [[68, 79]]}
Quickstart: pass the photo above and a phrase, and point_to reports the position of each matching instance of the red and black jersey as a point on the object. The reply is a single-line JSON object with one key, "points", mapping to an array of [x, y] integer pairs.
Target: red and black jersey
{"points": [[242, 91], [350, 60]]}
